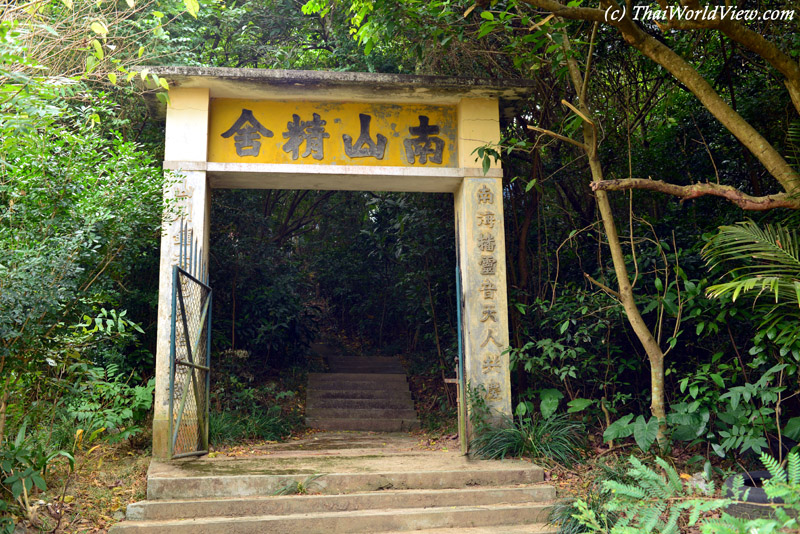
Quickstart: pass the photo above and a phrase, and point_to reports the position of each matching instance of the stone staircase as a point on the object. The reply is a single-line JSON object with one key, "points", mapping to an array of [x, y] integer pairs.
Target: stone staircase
{"points": [[385, 485], [360, 393]]}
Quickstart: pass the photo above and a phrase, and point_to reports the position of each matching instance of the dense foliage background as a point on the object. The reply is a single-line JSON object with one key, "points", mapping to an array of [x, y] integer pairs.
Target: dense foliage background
{"points": [[80, 208]]}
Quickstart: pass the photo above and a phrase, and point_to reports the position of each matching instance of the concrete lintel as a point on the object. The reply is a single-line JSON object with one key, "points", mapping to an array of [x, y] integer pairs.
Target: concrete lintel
{"points": [[185, 165], [333, 177]]}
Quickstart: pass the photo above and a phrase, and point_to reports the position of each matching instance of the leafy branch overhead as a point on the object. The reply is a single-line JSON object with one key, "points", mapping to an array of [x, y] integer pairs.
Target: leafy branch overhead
{"points": [[691, 78]]}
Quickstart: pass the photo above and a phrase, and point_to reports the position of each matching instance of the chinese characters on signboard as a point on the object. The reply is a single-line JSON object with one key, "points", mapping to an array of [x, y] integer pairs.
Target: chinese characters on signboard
{"points": [[332, 134], [246, 132]]}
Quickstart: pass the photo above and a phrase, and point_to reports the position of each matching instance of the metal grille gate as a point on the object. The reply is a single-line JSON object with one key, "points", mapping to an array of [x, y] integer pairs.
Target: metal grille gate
{"points": [[190, 355]]}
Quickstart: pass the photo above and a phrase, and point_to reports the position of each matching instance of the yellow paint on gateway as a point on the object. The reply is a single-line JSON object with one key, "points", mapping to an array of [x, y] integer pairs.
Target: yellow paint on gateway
{"points": [[325, 133]]}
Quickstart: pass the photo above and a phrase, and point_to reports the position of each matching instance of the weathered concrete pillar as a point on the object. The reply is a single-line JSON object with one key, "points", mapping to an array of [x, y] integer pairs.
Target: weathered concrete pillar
{"points": [[185, 152], [482, 258]]}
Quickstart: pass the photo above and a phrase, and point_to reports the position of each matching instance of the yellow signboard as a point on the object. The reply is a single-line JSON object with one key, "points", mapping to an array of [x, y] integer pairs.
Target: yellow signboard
{"points": [[327, 133]]}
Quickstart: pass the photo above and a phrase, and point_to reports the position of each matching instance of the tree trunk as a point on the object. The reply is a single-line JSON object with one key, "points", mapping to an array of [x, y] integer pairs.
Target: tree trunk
{"points": [[625, 294], [442, 362], [4, 403]]}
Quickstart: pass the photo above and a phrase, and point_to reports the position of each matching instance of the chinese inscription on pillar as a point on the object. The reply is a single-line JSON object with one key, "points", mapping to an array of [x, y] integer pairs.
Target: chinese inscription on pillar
{"points": [[486, 219], [181, 232]]}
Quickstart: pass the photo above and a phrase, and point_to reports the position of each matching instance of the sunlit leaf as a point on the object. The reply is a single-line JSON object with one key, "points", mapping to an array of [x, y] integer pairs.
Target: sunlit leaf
{"points": [[99, 28], [192, 6], [98, 49]]}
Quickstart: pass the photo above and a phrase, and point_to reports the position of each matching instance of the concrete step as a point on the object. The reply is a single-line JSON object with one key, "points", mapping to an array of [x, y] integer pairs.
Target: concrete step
{"points": [[388, 378], [533, 528], [356, 385], [356, 361], [343, 365], [369, 425], [366, 369], [176, 486], [304, 504], [374, 360], [362, 413], [349, 522], [357, 394], [351, 404]]}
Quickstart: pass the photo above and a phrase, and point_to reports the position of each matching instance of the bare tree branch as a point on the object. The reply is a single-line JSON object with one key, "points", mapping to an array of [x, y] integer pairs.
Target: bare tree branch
{"points": [[558, 136], [688, 192]]}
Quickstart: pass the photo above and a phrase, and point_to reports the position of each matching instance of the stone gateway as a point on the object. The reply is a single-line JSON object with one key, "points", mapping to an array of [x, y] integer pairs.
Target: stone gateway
{"points": [[271, 129]]}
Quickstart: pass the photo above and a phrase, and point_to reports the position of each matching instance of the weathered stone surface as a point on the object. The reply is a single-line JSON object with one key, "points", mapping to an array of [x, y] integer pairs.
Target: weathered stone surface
{"points": [[350, 86], [302, 504], [356, 482], [350, 522]]}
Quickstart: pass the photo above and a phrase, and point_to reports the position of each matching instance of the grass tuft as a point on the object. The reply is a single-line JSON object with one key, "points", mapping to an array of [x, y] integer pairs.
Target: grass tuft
{"points": [[556, 438], [228, 427]]}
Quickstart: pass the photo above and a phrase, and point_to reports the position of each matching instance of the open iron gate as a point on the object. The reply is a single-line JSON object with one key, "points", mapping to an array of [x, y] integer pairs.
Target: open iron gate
{"points": [[463, 437], [190, 354]]}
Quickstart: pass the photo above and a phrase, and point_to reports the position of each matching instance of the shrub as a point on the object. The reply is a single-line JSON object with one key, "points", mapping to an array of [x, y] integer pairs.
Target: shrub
{"points": [[105, 401], [656, 502]]}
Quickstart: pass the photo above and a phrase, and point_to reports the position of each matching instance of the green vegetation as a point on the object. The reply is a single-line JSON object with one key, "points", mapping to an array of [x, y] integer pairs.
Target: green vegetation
{"points": [[80, 210], [544, 437], [298, 487], [555, 438], [660, 501], [234, 427], [668, 327]]}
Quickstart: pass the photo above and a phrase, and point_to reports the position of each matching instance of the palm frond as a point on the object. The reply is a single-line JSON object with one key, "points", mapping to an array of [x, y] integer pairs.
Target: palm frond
{"points": [[767, 259], [767, 249], [793, 143]]}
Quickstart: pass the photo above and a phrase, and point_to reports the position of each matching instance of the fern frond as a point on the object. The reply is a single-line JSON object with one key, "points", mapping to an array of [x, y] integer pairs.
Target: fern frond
{"points": [[774, 467], [738, 490], [672, 475], [624, 490], [694, 514], [724, 525], [793, 461], [671, 526], [651, 483], [649, 518]]}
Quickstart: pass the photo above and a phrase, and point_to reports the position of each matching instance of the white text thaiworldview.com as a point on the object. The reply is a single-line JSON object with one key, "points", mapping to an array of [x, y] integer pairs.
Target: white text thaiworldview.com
{"points": [[707, 13]]}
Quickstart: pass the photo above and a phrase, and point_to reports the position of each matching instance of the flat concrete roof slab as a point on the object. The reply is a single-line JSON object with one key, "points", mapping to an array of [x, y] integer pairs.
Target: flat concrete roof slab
{"points": [[276, 84], [243, 83]]}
